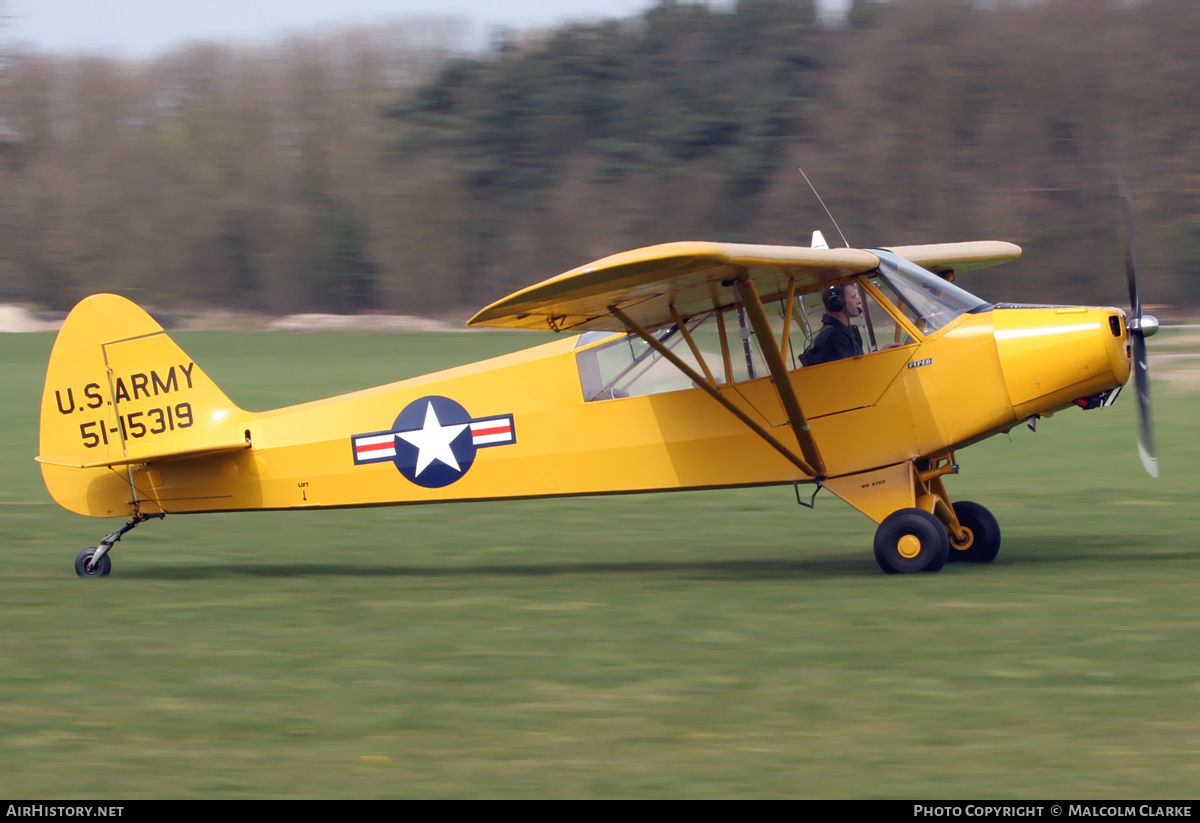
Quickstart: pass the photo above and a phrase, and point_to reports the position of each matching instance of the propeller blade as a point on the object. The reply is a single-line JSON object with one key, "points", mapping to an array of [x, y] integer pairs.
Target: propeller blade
{"points": [[1136, 325], [1141, 372], [1135, 297]]}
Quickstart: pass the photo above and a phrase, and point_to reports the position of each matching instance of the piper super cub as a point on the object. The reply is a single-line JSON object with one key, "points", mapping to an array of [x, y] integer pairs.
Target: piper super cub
{"points": [[688, 365]]}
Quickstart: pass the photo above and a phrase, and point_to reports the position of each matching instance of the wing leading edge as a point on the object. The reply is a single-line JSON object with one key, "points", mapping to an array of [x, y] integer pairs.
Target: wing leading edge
{"points": [[694, 276], [645, 283]]}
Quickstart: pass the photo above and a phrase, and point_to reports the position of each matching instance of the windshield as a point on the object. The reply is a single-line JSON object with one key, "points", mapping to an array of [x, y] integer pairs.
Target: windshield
{"points": [[929, 300]]}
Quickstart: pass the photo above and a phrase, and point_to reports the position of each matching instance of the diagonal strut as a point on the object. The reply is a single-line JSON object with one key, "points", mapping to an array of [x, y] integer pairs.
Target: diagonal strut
{"points": [[699, 380]]}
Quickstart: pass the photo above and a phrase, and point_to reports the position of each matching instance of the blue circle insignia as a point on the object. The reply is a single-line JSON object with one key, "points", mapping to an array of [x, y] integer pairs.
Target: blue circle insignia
{"points": [[434, 447], [433, 441]]}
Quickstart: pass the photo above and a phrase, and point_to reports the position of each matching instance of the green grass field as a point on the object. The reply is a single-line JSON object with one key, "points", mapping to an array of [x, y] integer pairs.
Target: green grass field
{"points": [[710, 644]]}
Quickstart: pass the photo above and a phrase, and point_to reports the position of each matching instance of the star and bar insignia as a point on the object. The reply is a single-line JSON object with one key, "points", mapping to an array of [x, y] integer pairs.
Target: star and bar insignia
{"points": [[433, 441]]}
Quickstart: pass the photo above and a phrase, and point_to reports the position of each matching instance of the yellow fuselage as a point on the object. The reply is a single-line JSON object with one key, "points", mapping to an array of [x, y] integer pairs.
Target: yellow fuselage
{"points": [[980, 375]]}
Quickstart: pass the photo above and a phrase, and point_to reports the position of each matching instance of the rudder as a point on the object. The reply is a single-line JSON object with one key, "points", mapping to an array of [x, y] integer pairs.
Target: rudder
{"points": [[119, 394]]}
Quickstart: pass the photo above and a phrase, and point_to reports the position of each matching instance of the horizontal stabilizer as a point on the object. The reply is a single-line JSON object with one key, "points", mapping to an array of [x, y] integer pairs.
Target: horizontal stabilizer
{"points": [[141, 455]]}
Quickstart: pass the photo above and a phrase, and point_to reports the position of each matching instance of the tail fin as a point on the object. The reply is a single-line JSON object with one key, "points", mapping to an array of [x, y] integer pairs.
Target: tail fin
{"points": [[120, 392]]}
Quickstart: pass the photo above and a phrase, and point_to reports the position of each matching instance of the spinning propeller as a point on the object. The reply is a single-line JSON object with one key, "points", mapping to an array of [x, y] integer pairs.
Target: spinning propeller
{"points": [[1140, 327]]}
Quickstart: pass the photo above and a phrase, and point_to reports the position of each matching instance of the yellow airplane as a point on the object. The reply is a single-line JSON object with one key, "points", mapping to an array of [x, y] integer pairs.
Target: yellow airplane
{"points": [[691, 365]]}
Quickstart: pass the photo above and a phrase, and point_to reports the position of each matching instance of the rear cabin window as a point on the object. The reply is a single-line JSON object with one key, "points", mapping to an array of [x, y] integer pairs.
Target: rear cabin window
{"points": [[626, 366]]}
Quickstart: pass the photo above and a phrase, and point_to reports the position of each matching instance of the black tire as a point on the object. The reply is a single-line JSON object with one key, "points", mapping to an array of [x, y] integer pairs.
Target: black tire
{"points": [[984, 541], [897, 555], [81, 564]]}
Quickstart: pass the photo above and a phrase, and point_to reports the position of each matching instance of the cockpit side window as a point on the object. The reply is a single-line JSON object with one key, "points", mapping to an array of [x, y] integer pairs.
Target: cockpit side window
{"points": [[883, 330], [877, 329], [807, 313]]}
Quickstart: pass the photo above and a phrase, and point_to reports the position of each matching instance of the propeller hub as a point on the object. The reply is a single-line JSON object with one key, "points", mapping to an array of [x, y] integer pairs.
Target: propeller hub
{"points": [[1147, 324]]}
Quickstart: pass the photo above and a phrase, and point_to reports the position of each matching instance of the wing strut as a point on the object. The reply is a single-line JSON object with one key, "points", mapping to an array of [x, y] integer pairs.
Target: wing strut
{"points": [[712, 289], [788, 304], [779, 375], [692, 344], [699, 380]]}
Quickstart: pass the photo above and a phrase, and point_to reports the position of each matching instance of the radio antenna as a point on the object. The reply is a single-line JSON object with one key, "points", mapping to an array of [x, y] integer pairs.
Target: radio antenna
{"points": [[845, 242]]}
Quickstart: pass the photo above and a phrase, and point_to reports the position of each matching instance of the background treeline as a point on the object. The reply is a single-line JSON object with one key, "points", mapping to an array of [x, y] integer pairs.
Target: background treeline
{"points": [[379, 169]]}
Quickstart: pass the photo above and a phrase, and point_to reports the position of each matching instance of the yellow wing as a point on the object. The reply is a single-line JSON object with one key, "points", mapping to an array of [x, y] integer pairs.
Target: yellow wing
{"points": [[943, 258], [645, 283], [691, 276]]}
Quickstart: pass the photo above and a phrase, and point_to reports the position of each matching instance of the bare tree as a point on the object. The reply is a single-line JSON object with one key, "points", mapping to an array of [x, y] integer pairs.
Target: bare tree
{"points": [[271, 178]]}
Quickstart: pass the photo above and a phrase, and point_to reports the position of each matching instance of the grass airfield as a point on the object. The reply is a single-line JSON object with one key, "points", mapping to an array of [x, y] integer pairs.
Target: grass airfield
{"points": [[707, 644]]}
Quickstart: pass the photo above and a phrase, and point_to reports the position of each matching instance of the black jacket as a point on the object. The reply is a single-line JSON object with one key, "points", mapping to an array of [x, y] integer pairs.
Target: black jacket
{"points": [[835, 341]]}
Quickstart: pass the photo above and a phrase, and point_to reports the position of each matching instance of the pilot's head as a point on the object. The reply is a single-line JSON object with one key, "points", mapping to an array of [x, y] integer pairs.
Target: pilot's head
{"points": [[841, 298]]}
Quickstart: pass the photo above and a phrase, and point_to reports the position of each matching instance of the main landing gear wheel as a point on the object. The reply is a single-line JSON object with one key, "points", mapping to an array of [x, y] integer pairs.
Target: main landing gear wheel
{"points": [[983, 535], [83, 566], [911, 540]]}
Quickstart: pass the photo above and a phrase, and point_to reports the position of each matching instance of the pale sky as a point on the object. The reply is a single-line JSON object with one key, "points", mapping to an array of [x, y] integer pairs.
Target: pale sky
{"points": [[142, 28]]}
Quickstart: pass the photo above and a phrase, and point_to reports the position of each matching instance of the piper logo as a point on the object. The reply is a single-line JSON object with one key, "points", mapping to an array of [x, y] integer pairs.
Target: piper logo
{"points": [[918, 363]]}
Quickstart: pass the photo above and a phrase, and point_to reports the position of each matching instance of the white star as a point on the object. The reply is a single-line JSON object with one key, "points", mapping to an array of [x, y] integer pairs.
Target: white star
{"points": [[433, 441]]}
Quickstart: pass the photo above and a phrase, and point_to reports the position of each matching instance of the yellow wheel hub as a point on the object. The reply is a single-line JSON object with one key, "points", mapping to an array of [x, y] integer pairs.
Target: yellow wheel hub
{"points": [[967, 541], [909, 546]]}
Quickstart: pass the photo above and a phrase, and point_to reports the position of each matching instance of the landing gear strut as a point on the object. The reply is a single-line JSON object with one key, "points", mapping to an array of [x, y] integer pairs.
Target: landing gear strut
{"points": [[95, 562], [935, 532]]}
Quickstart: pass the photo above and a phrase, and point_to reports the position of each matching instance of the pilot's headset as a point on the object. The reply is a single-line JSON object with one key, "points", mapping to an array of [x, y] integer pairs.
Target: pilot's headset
{"points": [[834, 299]]}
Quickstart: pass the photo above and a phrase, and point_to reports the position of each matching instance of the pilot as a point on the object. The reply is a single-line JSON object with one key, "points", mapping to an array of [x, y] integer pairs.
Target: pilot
{"points": [[838, 339]]}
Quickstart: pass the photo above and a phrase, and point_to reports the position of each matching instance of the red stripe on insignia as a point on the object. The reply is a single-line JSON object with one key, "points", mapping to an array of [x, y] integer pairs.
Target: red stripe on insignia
{"points": [[378, 447], [500, 429]]}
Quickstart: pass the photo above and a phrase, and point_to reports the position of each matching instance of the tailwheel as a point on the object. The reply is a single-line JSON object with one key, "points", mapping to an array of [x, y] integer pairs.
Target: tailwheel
{"points": [[95, 562], [982, 535], [911, 540], [85, 568]]}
